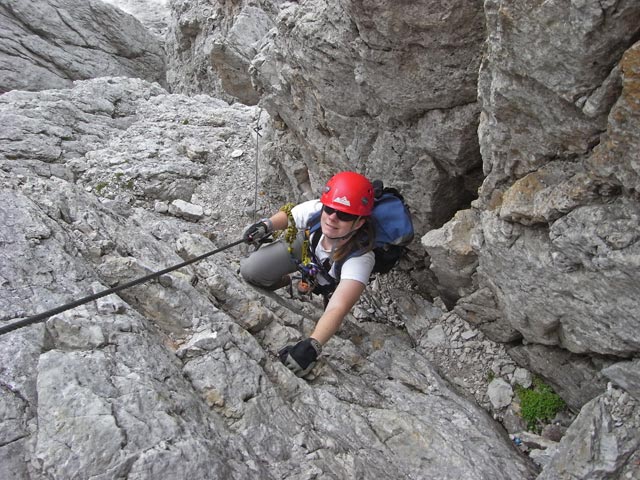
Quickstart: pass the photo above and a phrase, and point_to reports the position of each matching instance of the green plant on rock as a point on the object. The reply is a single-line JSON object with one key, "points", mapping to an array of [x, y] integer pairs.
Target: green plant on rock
{"points": [[122, 182], [100, 186], [538, 404]]}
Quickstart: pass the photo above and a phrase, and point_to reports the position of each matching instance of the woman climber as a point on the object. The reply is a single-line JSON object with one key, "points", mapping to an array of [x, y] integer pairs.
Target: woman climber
{"points": [[330, 242]]}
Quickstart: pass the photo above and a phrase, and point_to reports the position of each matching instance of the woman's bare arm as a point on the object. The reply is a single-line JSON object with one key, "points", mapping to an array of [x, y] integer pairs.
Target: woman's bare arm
{"points": [[342, 301]]}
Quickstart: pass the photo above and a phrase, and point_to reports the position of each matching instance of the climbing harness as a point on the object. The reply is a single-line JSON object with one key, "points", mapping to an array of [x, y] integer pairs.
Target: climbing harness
{"points": [[63, 308], [308, 270]]}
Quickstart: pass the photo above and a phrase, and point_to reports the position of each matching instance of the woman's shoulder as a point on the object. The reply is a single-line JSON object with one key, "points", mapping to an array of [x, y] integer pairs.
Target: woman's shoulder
{"points": [[364, 257], [310, 205], [305, 210], [359, 267]]}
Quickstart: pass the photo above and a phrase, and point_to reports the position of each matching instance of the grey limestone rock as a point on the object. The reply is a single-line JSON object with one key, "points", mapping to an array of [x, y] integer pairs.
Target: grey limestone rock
{"points": [[602, 443], [626, 375], [153, 14], [544, 61], [359, 85], [49, 44], [180, 377], [571, 285], [211, 46], [577, 379], [500, 393], [186, 210], [452, 257], [480, 308], [387, 91]]}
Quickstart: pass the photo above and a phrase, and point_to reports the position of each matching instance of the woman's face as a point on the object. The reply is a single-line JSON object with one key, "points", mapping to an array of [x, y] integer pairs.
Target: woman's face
{"points": [[335, 227]]}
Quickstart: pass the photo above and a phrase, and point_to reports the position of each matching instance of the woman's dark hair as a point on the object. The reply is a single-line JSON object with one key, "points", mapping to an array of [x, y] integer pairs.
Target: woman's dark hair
{"points": [[363, 241]]}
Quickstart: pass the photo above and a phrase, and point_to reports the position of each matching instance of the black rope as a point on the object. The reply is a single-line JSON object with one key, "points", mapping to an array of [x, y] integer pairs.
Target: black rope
{"points": [[63, 308], [255, 195]]}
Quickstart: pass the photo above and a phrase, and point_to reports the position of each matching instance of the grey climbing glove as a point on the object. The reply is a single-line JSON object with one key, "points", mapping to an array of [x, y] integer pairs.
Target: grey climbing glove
{"points": [[301, 357], [257, 231]]}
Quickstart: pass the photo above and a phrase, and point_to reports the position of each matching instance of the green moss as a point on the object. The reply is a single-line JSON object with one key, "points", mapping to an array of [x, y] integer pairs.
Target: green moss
{"points": [[117, 181], [538, 403], [100, 186], [126, 184]]}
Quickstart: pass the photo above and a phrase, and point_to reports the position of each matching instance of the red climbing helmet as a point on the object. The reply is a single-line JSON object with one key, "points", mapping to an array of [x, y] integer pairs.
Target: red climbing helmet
{"points": [[349, 192]]}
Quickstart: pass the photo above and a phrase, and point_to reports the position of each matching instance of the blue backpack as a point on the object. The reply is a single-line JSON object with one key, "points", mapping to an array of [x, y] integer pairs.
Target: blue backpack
{"points": [[393, 229]]}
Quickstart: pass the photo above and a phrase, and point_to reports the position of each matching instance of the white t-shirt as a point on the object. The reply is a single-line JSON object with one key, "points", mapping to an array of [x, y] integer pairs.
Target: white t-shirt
{"points": [[355, 268]]}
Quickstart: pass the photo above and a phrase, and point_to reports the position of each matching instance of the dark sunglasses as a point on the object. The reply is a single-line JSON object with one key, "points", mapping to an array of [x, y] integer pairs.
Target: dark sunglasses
{"points": [[343, 216]]}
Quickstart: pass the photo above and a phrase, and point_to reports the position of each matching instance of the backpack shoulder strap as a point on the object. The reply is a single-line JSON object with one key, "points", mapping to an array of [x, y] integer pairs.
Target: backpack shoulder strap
{"points": [[313, 225]]}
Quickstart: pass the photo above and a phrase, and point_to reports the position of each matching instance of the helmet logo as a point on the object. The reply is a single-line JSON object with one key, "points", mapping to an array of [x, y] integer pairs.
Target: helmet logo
{"points": [[343, 201]]}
